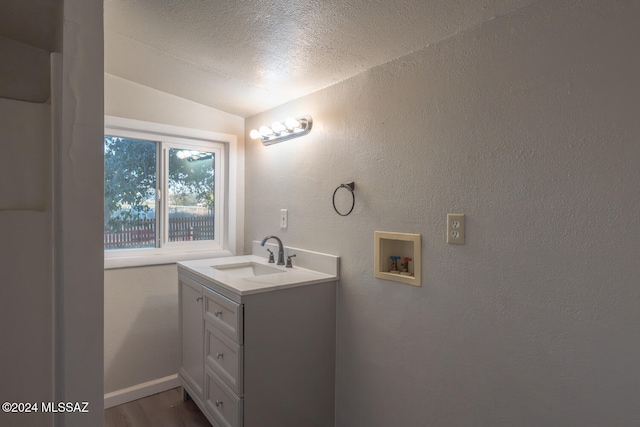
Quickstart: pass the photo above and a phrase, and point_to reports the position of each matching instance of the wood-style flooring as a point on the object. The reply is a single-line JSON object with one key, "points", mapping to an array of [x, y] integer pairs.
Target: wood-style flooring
{"points": [[160, 410]]}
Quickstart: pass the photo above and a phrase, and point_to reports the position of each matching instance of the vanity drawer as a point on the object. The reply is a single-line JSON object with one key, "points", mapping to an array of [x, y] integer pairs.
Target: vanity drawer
{"points": [[224, 357], [225, 406], [224, 314]]}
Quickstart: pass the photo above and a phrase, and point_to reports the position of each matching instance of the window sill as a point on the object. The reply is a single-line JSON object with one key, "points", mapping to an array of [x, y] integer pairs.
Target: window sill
{"points": [[127, 261]]}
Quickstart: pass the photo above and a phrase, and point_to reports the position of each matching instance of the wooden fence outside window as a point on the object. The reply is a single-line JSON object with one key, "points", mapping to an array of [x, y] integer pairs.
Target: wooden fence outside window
{"points": [[143, 233]]}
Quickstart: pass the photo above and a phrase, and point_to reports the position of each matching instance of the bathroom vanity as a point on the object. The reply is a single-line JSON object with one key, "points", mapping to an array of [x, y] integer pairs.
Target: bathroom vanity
{"points": [[258, 340]]}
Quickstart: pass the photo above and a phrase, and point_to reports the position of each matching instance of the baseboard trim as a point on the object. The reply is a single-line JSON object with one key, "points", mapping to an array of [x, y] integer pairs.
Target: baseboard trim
{"points": [[139, 391]]}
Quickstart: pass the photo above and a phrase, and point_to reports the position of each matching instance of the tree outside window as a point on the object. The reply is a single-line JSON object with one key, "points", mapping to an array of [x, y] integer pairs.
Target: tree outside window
{"points": [[135, 170]]}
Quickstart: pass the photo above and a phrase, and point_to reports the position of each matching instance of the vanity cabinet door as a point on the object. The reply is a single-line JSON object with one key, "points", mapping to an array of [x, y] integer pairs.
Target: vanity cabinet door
{"points": [[192, 335]]}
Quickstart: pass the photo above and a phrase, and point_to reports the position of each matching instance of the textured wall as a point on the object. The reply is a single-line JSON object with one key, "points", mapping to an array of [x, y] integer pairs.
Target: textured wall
{"points": [[528, 125]]}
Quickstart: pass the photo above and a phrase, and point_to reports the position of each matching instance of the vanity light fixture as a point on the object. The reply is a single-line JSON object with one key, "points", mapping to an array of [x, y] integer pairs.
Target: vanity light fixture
{"points": [[281, 131]]}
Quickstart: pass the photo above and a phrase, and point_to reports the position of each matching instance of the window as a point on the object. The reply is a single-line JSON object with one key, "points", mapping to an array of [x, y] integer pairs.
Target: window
{"points": [[164, 192], [130, 196]]}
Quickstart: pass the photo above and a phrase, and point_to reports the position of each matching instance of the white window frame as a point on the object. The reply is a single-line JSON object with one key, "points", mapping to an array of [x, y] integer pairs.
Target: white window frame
{"points": [[218, 215], [225, 212]]}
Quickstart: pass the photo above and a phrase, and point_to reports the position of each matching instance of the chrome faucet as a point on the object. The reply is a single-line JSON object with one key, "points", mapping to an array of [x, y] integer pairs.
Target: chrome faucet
{"points": [[280, 248]]}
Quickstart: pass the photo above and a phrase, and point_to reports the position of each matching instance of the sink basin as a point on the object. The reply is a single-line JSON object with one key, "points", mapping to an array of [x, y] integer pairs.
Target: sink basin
{"points": [[243, 275], [247, 269]]}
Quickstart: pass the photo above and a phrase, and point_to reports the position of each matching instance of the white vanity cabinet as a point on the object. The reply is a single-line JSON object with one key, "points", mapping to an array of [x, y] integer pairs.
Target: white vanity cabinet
{"points": [[266, 358]]}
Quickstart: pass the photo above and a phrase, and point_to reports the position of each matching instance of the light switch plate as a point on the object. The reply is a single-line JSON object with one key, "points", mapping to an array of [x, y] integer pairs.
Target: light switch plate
{"points": [[455, 229], [284, 218]]}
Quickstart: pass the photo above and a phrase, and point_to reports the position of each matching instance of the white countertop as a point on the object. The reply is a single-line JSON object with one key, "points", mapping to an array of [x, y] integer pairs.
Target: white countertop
{"points": [[288, 278]]}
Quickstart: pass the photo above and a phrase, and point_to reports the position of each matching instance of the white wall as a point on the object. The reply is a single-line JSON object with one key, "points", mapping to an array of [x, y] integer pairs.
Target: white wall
{"points": [[50, 220], [528, 125], [26, 160], [25, 74], [141, 304], [124, 98], [77, 99], [141, 325], [26, 293]]}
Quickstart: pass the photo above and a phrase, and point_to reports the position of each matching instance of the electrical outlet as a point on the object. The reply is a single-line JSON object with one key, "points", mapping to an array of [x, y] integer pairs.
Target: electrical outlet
{"points": [[284, 218], [455, 229]]}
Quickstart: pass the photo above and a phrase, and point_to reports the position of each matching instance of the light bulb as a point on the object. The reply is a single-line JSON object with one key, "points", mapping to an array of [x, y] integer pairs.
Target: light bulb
{"points": [[265, 131], [292, 123], [255, 134], [277, 127]]}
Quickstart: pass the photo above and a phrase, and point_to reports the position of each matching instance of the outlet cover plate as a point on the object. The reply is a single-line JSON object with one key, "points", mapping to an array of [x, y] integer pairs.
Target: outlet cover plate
{"points": [[455, 229]]}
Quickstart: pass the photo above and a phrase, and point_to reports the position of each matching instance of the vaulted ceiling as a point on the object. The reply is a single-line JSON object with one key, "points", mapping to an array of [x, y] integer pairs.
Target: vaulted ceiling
{"points": [[246, 56]]}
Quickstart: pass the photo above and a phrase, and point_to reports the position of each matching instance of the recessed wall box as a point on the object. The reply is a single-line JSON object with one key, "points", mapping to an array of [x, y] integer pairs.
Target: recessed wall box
{"points": [[403, 245]]}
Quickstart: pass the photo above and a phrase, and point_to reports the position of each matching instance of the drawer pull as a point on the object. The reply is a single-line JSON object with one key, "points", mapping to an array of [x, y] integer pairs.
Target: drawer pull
{"points": [[217, 313], [199, 299], [218, 403], [219, 355]]}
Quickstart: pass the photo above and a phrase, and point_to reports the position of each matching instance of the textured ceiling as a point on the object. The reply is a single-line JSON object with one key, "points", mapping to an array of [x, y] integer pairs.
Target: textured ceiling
{"points": [[246, 56]]}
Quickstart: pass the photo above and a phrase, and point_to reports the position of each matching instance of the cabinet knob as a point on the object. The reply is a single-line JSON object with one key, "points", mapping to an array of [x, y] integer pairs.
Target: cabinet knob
{"points": [[219, 355], [217, 313], [199, 299], [218, 403]]}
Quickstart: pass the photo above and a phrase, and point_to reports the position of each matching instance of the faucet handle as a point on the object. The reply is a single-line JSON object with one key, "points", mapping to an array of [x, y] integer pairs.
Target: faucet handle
{"points": [[289, 265], [270, 255]]}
